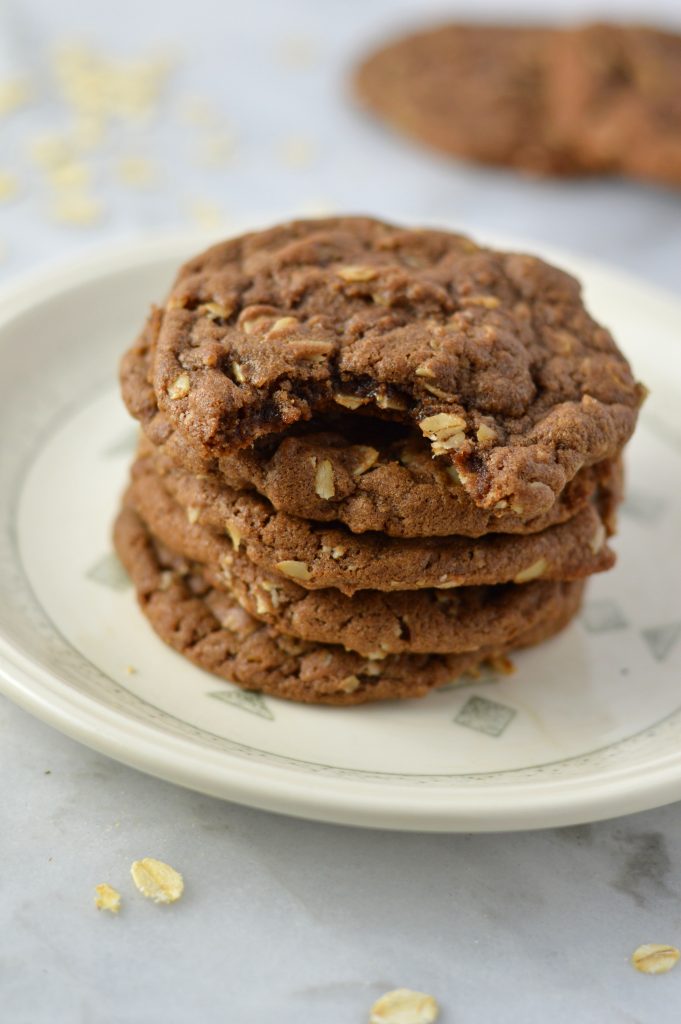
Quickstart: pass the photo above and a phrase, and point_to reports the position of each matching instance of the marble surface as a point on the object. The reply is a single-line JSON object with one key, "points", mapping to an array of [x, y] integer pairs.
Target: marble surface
{"points": [[285, 920]]}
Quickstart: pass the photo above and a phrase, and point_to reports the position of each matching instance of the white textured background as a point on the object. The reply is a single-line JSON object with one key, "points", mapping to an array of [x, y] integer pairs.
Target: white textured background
{"points": [[286, 921]]}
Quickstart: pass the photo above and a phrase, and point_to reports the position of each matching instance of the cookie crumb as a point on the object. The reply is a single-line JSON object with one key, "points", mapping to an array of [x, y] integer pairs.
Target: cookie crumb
{"points": [[107, 898]]}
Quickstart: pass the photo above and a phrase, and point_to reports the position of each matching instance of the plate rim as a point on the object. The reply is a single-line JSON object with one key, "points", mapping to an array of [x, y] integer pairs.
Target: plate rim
{"points": [[266, 787], [276, 788]]}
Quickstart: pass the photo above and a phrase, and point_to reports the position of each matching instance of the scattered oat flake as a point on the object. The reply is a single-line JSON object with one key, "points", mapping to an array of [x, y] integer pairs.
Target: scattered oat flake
{"points": [[296, 52], [94, 84], [137, 171], [14, 93], [199, 111], [9, 186], [404, 1006], [157, 880], [107, 898], [50, 150], [77, 208], [70, 174], [88, 131], [216, 151], [297, 152], [317, 208], [205, 213], [652, 958]]}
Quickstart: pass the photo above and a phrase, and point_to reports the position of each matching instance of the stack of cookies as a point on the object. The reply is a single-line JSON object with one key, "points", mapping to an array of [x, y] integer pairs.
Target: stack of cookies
{"points": [[372, 458], [584, 100]]}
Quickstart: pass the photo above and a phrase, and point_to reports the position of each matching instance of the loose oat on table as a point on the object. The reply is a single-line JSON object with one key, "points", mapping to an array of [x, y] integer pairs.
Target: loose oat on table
{"points": [[404, 1006], [50, 151], [157, 880], [654, 958], [107, 898], [71, 174], [137, 171], [76, 208], [9, 186], [14, 93], [206, 213]]}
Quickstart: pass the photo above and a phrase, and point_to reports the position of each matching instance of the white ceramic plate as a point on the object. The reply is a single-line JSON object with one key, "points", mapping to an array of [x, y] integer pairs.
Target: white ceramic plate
{"points": [[589, 726]]}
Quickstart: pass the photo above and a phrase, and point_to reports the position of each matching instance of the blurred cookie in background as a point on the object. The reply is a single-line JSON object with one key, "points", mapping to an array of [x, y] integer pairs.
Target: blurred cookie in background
{"points": [[593, 99]]}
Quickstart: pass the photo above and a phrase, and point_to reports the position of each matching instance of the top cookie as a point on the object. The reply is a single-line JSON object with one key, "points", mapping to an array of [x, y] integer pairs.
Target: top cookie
{"points": [[491, 355]]}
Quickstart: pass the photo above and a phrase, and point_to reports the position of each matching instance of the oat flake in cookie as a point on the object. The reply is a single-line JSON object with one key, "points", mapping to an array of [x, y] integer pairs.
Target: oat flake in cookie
{"points": [[492, 356]]}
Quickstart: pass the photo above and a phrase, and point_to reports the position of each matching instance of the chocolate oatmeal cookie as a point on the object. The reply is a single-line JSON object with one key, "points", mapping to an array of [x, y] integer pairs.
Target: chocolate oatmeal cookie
{"points": [[491, 356], [371, 622], [205, 523], [376, 623], [600, 98], [615, 91], [475, 91], [393, 485], [211, 629]]}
